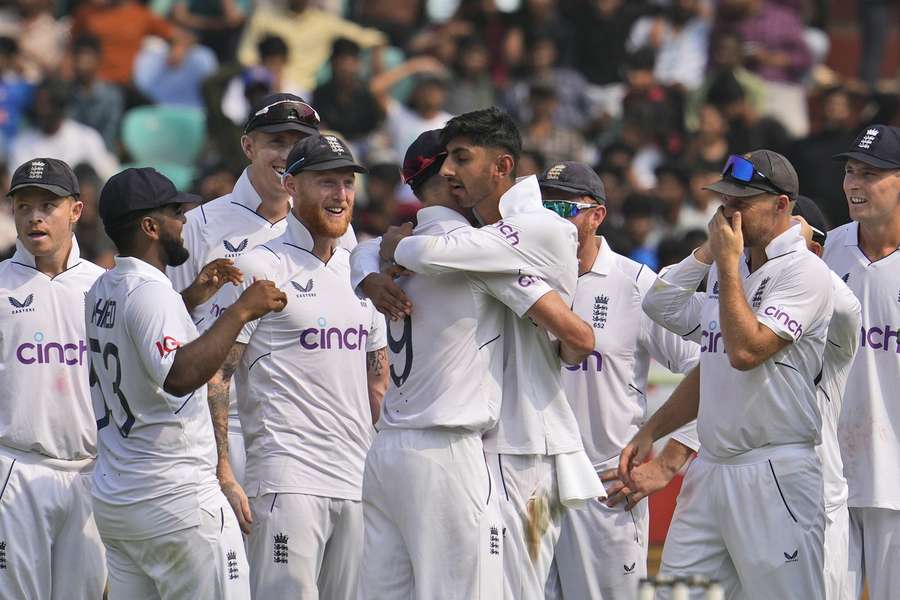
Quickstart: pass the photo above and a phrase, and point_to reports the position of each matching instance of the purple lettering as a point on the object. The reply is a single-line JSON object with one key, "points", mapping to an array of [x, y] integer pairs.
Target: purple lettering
{"points": [[304, 343], [20, 353], [59, 351]]}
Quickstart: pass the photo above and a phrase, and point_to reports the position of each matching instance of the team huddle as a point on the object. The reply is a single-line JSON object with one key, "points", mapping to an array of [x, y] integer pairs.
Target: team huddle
{"points": [[251, 404]]}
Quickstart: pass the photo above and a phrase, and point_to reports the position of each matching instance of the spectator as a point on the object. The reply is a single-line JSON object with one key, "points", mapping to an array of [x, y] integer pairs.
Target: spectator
{"points": [[875, 19], [382, 207], [482, 19], [726, 56], [703, 202], [556, 143], [93, 243], [746, 129], [640, 229], [710, 142], [7, 222], [121, 26], [53, 135], [471, 87], [217, 24], [399, 19], [540, 18], [673, 191], [425, 108], [531, 162], [615, 182], [680, 38], [600, 37], [42, 39], [15, 92], [163, 82], [344, 102], [838, 130], [215, 181], [573, 104], [309, 33], [95, 103], [775, 49], [675, 248]]}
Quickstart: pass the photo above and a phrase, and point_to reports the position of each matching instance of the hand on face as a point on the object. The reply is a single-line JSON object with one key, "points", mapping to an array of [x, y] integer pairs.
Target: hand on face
{"points": [[726, 240]]}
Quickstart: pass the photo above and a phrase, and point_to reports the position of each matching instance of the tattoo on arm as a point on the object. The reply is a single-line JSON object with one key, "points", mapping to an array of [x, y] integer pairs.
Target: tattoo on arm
{"points": [[376, 361], [218, 398]]}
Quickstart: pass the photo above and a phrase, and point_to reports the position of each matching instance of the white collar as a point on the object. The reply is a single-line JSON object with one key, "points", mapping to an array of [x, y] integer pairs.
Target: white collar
{"points": [[437, 214], [246, 195], [524, 196], [787, 242], [605, 258], [131, 264], [297, 234], [25, 257]]}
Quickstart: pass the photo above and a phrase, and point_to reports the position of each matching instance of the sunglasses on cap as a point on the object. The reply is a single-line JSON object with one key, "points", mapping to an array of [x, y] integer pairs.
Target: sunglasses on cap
{"points": [[566, 208], [742, 170], [284, 111]]}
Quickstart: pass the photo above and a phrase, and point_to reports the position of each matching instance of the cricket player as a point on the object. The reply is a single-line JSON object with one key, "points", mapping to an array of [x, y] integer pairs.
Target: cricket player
{"points": [[168, 530], [49, 545], [309, 382], [433, 528], [227, 227], [843, 340], [864, 253], [752, 511], [602, 552], [537, 438]]}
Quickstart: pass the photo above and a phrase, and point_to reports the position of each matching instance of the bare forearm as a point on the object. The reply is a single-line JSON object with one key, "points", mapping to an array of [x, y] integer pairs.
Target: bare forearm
{"points": [[218, 392], [377, 376], [680, 409], [198, 361], [673, 457]]}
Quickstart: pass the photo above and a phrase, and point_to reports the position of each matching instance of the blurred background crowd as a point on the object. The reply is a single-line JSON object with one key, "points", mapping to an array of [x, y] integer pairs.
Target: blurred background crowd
{"points": [[654, 93]]}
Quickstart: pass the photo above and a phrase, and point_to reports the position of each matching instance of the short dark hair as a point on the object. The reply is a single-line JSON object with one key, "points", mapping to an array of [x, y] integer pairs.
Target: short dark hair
{"points": [[272, 45], [8, 46], [344, 47], [87, 42], [490, 127], [122, 232]]}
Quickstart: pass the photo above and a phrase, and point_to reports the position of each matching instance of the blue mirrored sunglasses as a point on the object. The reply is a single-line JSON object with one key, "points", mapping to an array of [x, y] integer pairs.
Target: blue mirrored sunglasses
{"points": [[741, 169], [566, 208]]}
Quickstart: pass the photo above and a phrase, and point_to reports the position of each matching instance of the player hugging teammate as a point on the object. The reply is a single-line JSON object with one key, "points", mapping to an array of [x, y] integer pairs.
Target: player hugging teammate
{"points": [[458, 449]]}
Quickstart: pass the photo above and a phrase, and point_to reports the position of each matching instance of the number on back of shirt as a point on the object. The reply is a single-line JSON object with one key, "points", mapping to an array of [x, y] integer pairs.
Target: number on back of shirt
{"points": [[396, 346], [108, 351]]}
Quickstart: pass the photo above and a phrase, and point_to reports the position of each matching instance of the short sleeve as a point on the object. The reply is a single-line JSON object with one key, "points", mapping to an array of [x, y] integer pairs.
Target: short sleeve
{"points": [[517, 292], [364, 261], [159, 324], [377, 338], [795, 301], [687, 435]]}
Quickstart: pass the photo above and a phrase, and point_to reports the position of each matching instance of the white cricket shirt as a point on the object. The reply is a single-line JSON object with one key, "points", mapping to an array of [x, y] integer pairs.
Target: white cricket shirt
{"points": [[43, 371], [774, 403], [531, 242], [156, 454], [301, 384], [870, 419], [447, 356], [227, 227], [607, 390]]}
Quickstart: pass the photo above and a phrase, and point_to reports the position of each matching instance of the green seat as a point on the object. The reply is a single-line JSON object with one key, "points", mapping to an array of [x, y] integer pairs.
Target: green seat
{"points": [[182, 176], [164, 134]]}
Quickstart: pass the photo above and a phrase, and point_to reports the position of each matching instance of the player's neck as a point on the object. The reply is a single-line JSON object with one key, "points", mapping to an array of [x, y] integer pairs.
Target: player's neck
{"points": [[274, 205], [878, 239], [488, 210], [588, 251], [55, 263], [323, 247]]}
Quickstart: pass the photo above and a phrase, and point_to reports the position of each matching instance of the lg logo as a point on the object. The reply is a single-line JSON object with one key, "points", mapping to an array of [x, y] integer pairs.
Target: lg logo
{"points": [[167, 345]]}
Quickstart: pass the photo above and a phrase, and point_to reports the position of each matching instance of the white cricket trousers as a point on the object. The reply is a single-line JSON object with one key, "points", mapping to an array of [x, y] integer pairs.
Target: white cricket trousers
{"points": [[203, 562], [305, 547], [755, 522], [601, 553], [875, 552], [837, 559], [532, 518], [49, 545], [433, 528]]}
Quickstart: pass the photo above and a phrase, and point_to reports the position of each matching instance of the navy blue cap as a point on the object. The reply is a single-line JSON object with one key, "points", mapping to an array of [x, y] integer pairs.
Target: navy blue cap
{"points": [[50, 174], [138, 189], [573, 177], [321, 153], [807, 208], [282, 112], [423, 159], [877, 145]]}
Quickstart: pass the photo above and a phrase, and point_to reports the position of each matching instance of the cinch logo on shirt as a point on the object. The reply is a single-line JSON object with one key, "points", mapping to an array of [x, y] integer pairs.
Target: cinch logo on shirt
{"points": [[45, 353], [711, 340], [598, 363], [334, 338], [785, 319], [879, 338], [507, 231], [234, 251], [167, 346], [21, 306]]}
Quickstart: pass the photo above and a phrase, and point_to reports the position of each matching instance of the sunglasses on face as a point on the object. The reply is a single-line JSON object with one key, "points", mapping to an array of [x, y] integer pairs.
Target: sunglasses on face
{"points": [[566, 208], [284, 111], [738, 168]]}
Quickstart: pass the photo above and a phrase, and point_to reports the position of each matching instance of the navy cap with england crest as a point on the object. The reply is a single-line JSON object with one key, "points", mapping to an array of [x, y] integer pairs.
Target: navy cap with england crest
{"points": [[876, 145], [321, 153], [49, 174]]}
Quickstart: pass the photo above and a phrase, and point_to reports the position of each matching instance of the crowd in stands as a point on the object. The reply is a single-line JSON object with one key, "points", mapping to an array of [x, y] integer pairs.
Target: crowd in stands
{"points": [[654, 93]]}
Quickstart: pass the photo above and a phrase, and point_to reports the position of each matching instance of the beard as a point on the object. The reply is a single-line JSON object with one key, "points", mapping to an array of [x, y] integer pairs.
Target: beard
{"points": [[319, 225], [176, 253]]}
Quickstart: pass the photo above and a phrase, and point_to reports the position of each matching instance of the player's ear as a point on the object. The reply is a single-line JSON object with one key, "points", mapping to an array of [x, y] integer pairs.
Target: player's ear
{"points": [[149, 225], [247, 146], [76, 209], [290, 184], [597, 216], [505, 165]]}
